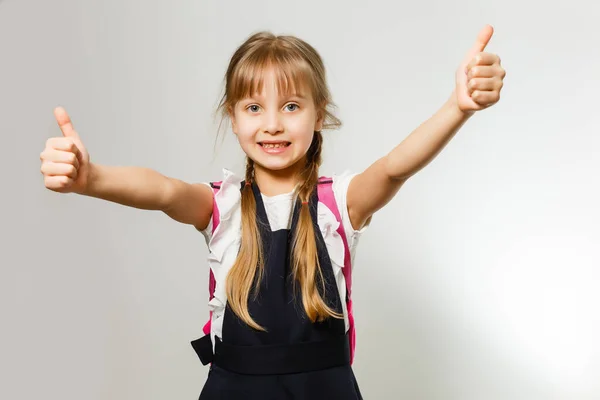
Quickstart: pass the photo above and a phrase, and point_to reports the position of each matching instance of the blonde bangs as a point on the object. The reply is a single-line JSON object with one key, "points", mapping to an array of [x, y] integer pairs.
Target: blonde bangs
{"points": [[292, 74]]}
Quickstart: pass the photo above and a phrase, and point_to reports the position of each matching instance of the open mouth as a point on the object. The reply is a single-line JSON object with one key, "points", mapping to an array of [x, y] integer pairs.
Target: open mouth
{"points": [[274, 145]]}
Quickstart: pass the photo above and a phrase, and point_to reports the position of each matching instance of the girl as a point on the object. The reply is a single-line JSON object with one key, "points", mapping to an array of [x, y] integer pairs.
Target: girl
{"points": [[281, 240]]}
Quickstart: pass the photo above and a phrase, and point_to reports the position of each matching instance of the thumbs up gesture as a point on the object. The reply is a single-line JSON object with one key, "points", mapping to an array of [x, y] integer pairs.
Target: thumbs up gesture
{"points": [[480, 76], [65, 161]]}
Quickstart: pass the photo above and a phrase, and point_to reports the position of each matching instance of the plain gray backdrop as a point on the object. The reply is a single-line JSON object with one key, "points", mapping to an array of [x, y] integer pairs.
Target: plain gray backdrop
{"points": [[478, 281]]}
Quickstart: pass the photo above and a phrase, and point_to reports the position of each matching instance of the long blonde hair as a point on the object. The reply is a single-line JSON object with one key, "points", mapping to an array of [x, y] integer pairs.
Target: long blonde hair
{"points": [[296, 64]]}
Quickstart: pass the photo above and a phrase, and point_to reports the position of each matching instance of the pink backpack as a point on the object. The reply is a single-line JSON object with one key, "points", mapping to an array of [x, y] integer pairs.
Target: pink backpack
{"points": [[326, 196]]}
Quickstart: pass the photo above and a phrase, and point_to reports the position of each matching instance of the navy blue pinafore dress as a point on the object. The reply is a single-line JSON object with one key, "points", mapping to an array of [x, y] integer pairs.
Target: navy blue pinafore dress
{"points": [[294, 359]]}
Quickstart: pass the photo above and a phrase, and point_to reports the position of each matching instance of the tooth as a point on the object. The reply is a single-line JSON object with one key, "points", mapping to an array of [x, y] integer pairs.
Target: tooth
{"points": [[274, 145]]}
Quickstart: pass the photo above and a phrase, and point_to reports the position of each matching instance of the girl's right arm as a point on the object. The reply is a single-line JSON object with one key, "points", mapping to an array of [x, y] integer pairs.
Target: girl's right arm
{"points": [[66, 168], [147, 189]]}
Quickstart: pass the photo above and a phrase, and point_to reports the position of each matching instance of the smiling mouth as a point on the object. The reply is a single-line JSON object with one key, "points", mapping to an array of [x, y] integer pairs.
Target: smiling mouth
{"points": [[274, 145]]}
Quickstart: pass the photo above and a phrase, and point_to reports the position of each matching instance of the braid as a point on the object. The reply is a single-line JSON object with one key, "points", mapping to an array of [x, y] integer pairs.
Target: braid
{"points": [[247, 271], [249, 170], [310, 174], [306, 267]]}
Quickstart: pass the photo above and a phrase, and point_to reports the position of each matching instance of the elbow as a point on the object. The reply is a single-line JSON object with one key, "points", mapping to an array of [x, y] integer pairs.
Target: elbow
{"points": [[399, 169]]}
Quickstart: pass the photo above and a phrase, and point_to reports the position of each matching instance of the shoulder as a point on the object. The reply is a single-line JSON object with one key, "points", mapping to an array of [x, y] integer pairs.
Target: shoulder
{"points": [[340, 182], [226, 199], [339, 185]]}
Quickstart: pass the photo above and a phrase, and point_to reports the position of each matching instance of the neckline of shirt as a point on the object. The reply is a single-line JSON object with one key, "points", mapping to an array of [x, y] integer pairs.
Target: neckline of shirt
{"points": [[277, 196]]}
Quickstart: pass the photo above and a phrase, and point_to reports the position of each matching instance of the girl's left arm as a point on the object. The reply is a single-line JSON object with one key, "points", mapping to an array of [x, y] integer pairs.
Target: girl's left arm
{"points": [[479, 80]]}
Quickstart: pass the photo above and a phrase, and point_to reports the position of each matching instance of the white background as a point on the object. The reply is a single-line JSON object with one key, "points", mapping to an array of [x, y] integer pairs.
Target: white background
{"points": [[478, 281]]}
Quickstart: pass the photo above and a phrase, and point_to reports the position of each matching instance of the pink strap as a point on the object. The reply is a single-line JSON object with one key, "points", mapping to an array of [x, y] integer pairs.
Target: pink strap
{"points": [[211, 280], [327, 197]]}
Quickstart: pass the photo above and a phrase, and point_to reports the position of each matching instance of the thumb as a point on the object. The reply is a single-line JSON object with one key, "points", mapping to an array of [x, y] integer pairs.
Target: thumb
{"points": [[66, 127], [481, 42], [64, 123]]}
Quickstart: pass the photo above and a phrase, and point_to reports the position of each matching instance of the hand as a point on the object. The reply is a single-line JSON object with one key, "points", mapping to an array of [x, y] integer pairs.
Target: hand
{"points": [[479, 77], [65, 161]]}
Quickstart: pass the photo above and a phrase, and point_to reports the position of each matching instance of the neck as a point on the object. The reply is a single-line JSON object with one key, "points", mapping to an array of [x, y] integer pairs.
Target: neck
{"points": [[272, 183]]}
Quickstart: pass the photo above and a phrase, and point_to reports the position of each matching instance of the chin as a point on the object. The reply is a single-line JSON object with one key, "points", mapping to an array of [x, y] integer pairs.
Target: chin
{"points": [[274, 166]]}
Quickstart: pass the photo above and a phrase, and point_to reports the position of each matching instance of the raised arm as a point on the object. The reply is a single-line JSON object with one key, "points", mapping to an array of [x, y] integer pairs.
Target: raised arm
{"points": [[147, 189], [67, 168], [479, 80]]}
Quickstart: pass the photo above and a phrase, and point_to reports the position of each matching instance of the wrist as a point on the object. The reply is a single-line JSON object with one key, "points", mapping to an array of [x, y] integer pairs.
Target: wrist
{"points": [[454, 108], [92, 180]]}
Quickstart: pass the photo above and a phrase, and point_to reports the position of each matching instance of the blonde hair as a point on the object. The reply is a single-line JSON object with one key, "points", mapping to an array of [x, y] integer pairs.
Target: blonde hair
{"points": [[297, 65]]}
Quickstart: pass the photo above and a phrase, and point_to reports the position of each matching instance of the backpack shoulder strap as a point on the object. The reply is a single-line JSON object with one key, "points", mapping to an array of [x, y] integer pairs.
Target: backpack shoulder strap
{"points": [[327, 197], [215, 214], [216, 186], [203, 346]]}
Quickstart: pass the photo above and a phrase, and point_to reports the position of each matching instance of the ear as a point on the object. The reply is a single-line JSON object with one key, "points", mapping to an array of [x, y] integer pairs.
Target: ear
{"points": [[319, 122], [231, 114]]}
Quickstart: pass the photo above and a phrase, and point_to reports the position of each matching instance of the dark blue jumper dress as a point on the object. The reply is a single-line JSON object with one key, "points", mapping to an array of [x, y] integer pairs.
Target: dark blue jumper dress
{"points": [[295, 358]]}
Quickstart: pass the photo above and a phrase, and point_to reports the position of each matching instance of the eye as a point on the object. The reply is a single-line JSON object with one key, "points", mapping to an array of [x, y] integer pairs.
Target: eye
{"points": [[293, 105], [253, 108]]}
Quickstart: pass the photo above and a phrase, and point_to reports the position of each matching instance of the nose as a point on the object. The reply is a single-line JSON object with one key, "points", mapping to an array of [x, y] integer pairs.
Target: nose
{"points": [[272, 123]]}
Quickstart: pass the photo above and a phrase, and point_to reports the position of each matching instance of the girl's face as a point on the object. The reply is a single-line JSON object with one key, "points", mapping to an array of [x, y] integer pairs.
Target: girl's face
{"points": [[275, 130]]}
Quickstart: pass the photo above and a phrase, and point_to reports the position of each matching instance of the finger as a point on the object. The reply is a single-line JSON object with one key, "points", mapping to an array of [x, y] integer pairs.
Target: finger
{"points": [[486, 84], [485, 71], [59, 156], [64, 144], [483, 59], [58, 169], [485, 97], [57, 183], [64, 123]]}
